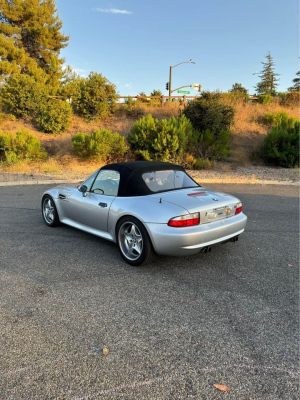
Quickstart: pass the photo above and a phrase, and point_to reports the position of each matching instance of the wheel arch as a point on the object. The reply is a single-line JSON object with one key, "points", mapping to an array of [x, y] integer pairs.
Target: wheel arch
{"points": [[133, 216], [127, 216], [47, 194]]}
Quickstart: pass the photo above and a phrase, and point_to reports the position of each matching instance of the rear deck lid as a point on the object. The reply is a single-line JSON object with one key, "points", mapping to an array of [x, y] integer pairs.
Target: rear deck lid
{"points": [[211, 205]]}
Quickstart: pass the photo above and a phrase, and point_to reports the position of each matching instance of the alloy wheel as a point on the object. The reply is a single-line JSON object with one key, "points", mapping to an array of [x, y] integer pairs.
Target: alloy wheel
{"points": [[48, 211], [130, 241]]}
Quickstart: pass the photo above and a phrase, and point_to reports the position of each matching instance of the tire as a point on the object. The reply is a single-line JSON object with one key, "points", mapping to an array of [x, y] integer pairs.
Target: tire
{"points": [[134, 242], [49, 211]]}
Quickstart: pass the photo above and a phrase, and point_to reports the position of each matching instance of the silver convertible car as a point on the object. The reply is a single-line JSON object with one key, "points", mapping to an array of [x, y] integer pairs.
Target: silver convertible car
{"points": [[147, 208]]}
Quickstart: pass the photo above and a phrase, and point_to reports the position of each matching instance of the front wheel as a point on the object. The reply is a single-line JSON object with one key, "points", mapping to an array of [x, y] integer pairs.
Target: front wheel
{"points": [[49, 211], [134, 243]]}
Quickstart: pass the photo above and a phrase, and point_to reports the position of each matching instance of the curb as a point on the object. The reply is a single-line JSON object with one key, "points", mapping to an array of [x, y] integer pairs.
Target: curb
{"points": [[49, 182], [201, 181]]}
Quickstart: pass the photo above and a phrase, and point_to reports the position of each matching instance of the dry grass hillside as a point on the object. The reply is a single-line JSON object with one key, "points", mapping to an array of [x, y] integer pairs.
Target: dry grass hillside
{"points": [[248, 134]]}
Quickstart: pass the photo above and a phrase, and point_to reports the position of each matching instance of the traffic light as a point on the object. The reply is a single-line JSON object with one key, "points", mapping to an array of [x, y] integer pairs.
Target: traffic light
{"points": [[167, 86]]}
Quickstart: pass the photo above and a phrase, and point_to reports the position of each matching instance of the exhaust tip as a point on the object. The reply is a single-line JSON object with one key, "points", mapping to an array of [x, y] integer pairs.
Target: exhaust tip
{"points": [[206, 249]]}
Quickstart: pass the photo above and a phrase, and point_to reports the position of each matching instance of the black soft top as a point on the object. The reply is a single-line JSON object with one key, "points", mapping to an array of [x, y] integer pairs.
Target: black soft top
{"points": [[131, 181]]}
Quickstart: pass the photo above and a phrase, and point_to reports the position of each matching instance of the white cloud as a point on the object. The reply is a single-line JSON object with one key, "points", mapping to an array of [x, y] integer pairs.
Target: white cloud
{"points": [[81, 72], [112, 11], [125, 86]]}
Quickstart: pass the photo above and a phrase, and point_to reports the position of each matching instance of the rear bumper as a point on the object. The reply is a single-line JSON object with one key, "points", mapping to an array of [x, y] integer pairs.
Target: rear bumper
{"points": [[169, 241]]}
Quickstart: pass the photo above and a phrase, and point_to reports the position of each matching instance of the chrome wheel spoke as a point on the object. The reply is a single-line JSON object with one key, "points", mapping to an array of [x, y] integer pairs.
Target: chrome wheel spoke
{"points": [[137, 248], [132, 230]]}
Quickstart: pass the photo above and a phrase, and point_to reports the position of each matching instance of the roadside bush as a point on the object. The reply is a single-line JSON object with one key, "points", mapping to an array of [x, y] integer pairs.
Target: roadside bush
{"points": [[236, 96], [293, 99], [289, 99], [279, 118], [20, 147], [94, 97], [133, 109], [208, 112], [281, 146], [204, 164], [21, 95], [6, 117], [164, 140], [102, 145], [265, 99], [176, 140], [190, 162], [54, 116], [208, 146]]}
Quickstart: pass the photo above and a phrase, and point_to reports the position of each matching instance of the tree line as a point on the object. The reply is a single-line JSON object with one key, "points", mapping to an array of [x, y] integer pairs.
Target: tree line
{"points": [[35, 81]]}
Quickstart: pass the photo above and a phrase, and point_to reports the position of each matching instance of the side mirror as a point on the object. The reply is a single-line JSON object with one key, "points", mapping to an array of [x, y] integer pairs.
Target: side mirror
{"points": [[83, 189]]}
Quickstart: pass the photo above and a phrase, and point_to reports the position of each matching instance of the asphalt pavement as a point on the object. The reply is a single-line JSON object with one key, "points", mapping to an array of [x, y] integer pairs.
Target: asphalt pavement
{"points": [[173, 328]]}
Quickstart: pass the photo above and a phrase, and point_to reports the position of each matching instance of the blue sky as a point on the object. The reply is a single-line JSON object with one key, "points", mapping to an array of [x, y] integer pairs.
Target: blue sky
{"points": [[134, 42]]}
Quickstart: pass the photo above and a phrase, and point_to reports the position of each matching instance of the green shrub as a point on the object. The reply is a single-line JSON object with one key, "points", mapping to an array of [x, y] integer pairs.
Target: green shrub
{"points": [[211, 120], [204, 164], [176, 140], [236, 96], [102, 145], [207, 145], [94, 97], [279, 118], [290, 99], [54, 116], [282, 97], [6, 117], [164, 140], [22, 95], [265, 99], [134, 110], [293, 99], [208, 112], [22, 146], [281, 146]]}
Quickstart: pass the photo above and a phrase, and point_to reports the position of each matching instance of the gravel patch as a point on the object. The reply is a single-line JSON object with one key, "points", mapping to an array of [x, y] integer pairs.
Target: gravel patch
{"points": [[254, 174]]}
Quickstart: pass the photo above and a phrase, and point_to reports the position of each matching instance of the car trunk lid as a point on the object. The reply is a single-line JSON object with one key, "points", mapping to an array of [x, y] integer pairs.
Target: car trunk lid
{"points": [[211, 205]]}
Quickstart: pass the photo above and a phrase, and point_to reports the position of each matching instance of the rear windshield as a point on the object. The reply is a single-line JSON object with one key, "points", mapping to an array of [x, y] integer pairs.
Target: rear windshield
{"points": [[160, 181]]}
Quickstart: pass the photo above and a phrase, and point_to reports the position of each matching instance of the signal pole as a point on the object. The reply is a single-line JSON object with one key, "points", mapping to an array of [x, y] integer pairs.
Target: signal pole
{"points": [[170, 82], [170, 75]]}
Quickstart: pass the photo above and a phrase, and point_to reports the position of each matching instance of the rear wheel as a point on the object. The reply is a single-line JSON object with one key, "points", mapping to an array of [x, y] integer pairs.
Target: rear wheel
{"points": [[49, 211], [134, 243]]}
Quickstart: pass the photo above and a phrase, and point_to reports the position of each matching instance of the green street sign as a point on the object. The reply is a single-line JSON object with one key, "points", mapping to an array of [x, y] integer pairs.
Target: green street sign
{"points": [[183, 91]]}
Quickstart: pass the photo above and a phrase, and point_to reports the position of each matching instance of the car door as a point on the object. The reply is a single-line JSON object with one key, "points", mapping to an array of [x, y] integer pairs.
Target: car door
{"points": [[92, 208], [66, 193]]}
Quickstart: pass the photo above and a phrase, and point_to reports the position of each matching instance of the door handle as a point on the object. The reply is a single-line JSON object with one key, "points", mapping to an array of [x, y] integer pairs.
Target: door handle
{"points": [[61, 196], [103, 205]]}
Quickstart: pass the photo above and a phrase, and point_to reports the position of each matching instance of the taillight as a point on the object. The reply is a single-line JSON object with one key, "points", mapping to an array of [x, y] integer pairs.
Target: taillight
{"points": [[185, 220], [238, 208]]}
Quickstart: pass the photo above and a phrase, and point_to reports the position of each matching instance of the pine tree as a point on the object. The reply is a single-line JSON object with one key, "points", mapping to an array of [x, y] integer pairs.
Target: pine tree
{"points": [[156, 92], [31, 40], [237, 87], [269, 79], [296, 86]]}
